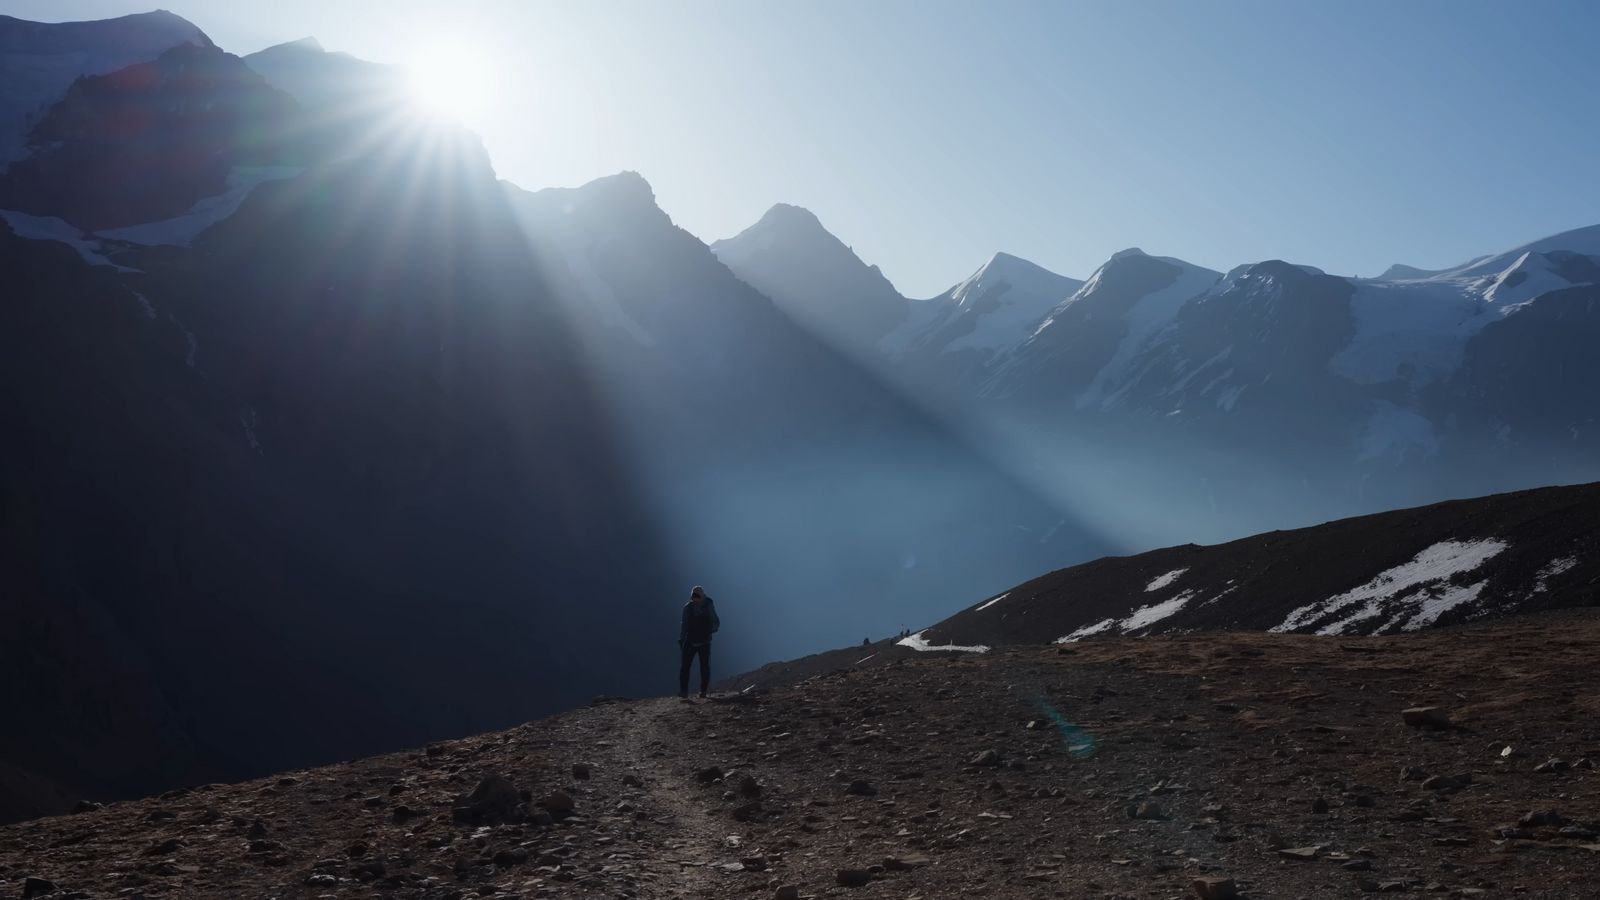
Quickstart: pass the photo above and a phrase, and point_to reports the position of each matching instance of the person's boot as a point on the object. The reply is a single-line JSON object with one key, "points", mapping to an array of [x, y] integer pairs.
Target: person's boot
{"points": [[684, 696], [702, 695]]}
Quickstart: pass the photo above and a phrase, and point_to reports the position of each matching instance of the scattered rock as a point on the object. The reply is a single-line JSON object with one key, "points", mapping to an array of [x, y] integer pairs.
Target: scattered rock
{"points": [[511, 856], [1149, 810], [1427, 718], [557, 803], [749, 787], [1442, 783], [986, 758], [708, 775], [36, 887], [861, 789], [905, 862], [787, 892], [162, 848], [1300, 853], [1208, 887], [580, 771], [1357, 865], [493, 800], [1542, 818], [632, 781], [1319, 806], [852, 877], [1552, 765]]}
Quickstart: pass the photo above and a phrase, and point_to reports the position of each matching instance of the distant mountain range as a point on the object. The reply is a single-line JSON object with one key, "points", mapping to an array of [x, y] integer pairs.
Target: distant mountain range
{"points": [[323, 440], [1215, 404]]}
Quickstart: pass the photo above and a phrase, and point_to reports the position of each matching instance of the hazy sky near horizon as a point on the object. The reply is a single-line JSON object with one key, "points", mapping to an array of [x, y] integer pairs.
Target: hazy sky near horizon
{"points": [[1346, 135]]}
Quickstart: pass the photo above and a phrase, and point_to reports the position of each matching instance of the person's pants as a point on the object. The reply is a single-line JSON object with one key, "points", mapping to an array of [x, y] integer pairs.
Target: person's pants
{"points": [[689, 651]]}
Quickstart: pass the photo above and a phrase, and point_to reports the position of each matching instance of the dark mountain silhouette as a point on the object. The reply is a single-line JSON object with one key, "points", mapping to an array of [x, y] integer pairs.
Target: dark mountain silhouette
{"points": [[264, 517], [146, 142], [39, 61], [359, 455]]}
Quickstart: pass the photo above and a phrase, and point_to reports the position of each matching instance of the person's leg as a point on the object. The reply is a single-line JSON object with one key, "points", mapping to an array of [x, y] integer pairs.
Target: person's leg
{"points": [[705, 668], [687, 654]]}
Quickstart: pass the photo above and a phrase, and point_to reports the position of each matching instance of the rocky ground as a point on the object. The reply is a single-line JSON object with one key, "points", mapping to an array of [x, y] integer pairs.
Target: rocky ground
{"points": [[1209, 765]]}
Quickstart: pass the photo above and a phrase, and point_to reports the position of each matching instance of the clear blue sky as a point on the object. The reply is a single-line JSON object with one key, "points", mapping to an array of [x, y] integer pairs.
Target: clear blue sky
{"points": [[1346, 135]]}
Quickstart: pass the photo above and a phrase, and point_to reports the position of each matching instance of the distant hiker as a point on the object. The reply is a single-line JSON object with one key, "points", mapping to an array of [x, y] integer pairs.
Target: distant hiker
{"points": [[866, 642], [698, 624]]}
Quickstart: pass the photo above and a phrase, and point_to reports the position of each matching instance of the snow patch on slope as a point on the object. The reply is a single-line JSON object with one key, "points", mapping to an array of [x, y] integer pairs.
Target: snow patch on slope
{"points": [[918, 642], [1138, 620], [1099, 627], [1418, 591], [182, 228], [1145, 616], [1556, 567], [1161, 581], [49, 228], [992, 602]]}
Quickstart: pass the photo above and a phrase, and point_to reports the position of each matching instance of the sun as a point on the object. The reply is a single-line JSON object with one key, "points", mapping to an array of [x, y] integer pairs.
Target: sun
{"points": [[450, 80]]}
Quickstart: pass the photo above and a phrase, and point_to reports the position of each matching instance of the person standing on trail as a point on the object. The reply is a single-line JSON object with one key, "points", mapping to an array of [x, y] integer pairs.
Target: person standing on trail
{"points": [[695, 629]]}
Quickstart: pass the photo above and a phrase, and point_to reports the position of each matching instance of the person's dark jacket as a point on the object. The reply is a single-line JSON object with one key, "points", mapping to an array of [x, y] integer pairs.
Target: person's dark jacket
{"points": [[698, 625]]}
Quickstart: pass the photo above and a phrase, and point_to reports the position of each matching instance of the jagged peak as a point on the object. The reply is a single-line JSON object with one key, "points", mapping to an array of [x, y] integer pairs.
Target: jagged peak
{"points": [[627, 183], [788, 218], [790, 212], [788, 225]]}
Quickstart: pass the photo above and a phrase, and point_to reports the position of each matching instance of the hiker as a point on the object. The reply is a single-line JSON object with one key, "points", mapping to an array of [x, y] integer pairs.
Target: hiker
{"points": [[698, 624]]}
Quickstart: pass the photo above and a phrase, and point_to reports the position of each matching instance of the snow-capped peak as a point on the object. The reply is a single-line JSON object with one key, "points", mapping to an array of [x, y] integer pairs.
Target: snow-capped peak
{"points": [[991, 311], [1014, 274]]}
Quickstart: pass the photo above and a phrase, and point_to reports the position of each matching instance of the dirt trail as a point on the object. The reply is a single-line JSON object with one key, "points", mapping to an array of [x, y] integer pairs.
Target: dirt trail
{"points": [[1117, 769], [694, 838]]}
